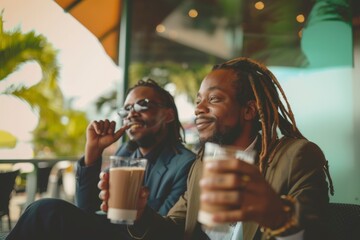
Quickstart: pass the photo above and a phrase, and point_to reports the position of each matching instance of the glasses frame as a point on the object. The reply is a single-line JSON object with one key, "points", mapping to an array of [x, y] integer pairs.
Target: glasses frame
{"points": [[141, 105]]}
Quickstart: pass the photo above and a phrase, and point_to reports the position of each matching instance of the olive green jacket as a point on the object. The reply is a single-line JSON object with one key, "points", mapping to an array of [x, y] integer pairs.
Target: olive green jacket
{"points": [[297, 168]]}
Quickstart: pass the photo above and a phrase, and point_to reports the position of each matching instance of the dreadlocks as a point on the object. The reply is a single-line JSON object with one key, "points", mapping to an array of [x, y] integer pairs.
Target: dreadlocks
{"points": [[255, 82], [176, 130]]}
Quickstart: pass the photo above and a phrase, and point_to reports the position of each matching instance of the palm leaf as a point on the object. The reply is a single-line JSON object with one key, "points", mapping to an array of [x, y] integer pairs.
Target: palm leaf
{"points": [[59, 128], [7, 140]]}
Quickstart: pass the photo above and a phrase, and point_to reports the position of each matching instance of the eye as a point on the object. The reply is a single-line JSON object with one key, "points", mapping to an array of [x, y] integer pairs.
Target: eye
{"points": [[214, 99], [197, 101], [143, 102]]}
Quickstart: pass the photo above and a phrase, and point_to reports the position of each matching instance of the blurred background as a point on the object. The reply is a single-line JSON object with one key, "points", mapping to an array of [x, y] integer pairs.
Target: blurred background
{"points": [[64, 63]]}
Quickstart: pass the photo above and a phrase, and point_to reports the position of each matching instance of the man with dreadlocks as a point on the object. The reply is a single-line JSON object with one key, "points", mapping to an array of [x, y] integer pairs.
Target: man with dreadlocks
{"points": [[284, 194], [152, 124]]}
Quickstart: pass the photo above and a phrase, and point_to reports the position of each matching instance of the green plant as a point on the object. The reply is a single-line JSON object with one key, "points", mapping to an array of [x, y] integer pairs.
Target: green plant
{"points": [[60, 129], [186, 78]]}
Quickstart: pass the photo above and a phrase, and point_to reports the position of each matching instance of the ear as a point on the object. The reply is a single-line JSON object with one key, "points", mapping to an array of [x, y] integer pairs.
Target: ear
{"points": [[250, 110], [169, 115]]}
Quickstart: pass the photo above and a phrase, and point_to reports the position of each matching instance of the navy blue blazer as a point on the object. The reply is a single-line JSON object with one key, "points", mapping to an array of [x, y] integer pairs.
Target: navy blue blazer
{"points": [[166, 181]]}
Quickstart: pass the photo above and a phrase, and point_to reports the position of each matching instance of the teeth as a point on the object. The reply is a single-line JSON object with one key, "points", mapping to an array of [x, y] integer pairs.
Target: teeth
{"points": [[135, 126]]}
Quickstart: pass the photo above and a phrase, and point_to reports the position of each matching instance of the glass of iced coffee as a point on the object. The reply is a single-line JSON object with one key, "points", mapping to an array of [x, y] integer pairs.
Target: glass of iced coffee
{"points": [[125, 180], [215, 152]]}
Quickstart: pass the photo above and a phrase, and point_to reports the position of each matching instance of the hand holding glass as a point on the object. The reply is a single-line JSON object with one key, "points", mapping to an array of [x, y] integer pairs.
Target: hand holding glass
{"points": [[125, 180], [215, 152]]}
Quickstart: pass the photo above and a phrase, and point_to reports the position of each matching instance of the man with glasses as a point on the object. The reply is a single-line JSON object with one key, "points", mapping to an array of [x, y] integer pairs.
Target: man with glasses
{"points": [[151, 121], [152, 124]]}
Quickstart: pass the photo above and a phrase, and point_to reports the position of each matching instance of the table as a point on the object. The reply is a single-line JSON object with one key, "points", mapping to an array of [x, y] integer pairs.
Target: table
{"points": [[31, 177]]}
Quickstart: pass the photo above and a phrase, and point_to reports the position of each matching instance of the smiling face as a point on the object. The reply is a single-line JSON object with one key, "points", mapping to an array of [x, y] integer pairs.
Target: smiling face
{"points": [[219, 116], [148, 127]]}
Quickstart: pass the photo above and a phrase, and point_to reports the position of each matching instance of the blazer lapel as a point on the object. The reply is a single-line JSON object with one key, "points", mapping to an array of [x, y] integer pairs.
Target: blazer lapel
{"points": [[159, 170]]}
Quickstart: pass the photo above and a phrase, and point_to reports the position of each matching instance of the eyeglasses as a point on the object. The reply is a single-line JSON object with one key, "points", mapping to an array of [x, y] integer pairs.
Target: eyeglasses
{"points": [[140, 106]]}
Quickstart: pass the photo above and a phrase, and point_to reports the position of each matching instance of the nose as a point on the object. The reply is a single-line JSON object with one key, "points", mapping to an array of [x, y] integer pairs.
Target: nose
{"points": [[132, 112], [201, 107]]}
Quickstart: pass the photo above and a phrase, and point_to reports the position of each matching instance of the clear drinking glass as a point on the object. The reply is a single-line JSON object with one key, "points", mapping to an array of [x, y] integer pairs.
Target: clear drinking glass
{"points": [[126, 176], [216, 152]]}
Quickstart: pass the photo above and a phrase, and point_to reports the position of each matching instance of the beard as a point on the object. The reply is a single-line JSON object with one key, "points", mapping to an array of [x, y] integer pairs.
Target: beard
{"points": [[226, 136], [152, 138], [146, 141]]}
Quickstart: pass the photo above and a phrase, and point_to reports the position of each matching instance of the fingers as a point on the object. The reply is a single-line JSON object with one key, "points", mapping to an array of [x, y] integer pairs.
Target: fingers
{"points": [[232, 165], [250, 212], [104, 127], [229, 174], [104, 175], [111, 127], [230, 216], [104, 207], [103, 184], [120, 132], [228, 198], [104, 195], [225, 181], [240, 190]]}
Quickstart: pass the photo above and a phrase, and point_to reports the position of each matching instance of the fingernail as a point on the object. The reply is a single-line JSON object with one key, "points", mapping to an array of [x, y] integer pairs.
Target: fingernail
{"points": [[210, 165], [204, 197], [204, 182]]}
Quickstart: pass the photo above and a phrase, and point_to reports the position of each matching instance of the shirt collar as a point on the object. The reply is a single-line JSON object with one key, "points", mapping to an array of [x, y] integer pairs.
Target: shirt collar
{"points": [[152, 155], [252, 145]]}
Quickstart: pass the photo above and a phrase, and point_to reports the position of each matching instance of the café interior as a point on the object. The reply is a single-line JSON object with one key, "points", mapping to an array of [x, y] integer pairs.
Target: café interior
{"points": [[312, 46]]}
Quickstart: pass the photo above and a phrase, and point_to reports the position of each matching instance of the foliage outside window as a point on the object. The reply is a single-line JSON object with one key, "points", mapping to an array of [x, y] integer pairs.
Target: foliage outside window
{"points": [[60, 130]]}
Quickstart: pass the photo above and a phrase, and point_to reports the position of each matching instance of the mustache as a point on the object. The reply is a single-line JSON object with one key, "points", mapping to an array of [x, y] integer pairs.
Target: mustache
{"points": [[130, 122]]}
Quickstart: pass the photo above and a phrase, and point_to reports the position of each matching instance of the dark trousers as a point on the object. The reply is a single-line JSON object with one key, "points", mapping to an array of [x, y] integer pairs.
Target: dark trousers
{"points": [[55, 219]]}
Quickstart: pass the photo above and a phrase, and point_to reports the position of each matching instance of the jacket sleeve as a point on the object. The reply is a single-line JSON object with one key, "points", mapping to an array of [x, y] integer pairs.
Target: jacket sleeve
{"points": [[310, 188], [87, 192], [306, 182]]}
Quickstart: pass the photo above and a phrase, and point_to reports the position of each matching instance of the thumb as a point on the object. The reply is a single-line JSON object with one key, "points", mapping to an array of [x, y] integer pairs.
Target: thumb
{"points": [[119, 133]]}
